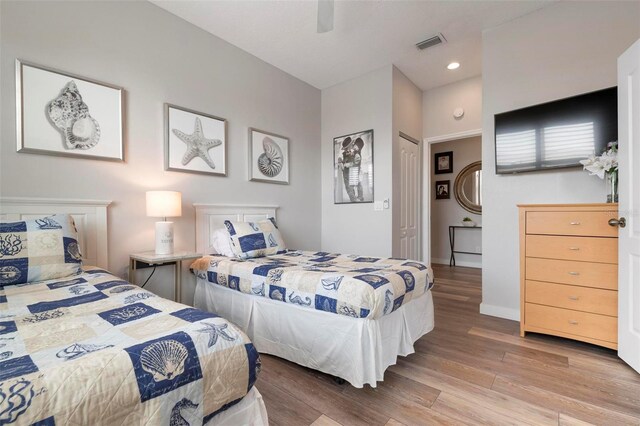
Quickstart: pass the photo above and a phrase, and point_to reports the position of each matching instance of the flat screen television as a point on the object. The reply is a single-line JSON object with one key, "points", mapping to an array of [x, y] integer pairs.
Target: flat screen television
{"points": [[556, 134]]}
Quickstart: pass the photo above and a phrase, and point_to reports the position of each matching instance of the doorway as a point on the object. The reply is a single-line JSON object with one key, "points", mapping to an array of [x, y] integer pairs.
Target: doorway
{"points": [[455, 197]]}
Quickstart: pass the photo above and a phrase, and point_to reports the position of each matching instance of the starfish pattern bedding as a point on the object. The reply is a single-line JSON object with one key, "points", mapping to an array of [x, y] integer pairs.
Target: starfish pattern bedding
{"points": [[94, 349], [351, 285]]}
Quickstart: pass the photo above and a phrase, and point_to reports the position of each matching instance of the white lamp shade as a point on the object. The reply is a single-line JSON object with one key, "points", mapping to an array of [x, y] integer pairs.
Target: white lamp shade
{"points": [[164, 203]]}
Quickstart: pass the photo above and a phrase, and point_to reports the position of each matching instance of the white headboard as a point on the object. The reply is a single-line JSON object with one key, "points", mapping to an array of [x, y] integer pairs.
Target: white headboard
{"points": [[90, 217], [210, 217]]}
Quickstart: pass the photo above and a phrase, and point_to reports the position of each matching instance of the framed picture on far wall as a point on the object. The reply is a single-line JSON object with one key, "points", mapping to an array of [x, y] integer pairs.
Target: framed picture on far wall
{"points": [[353, 168], [194, 142], [443, 189], [268, 157], [443, 162], [67, 115]]}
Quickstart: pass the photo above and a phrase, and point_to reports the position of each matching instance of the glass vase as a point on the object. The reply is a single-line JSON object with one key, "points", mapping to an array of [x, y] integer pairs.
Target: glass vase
{"points": [[612, 187]]}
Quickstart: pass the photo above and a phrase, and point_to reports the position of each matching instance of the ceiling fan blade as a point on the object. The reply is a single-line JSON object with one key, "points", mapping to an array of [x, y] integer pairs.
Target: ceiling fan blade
{"points": [[325, 16]]}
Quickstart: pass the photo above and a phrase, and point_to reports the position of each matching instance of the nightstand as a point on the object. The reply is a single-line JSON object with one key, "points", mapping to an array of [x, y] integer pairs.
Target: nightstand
{"points": [[150, 258]]}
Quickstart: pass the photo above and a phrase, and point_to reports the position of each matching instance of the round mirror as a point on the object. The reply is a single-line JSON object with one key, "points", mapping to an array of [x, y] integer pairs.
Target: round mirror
{"points": [[468, 188]]}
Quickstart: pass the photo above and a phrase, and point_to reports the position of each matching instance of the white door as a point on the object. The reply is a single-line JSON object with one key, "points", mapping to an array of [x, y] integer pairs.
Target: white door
{"points": [[409, 199], [629, 190]]}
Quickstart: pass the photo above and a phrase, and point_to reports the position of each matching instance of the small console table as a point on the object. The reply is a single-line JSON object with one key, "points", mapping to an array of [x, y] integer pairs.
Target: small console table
{"points": [[452, 242]]}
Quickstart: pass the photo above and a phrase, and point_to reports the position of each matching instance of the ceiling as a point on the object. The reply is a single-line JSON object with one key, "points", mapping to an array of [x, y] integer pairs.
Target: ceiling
{"points": [[367, 35]]}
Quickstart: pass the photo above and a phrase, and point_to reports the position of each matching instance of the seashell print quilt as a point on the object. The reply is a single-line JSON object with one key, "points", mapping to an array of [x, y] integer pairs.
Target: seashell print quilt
{"points": [[94, 349], [351, 285]]}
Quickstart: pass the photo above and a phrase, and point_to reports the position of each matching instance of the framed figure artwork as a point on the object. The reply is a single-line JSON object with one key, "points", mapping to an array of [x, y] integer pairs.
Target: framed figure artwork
{"points": [[443, 162], [268, 157], [443, 190], [353, 168], [195, 142], [63, 114]]}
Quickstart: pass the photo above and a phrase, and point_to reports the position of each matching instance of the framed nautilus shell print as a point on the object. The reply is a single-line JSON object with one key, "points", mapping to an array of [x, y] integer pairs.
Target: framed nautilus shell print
{"points": [[64, 114], [194, 141], [268, 157]]}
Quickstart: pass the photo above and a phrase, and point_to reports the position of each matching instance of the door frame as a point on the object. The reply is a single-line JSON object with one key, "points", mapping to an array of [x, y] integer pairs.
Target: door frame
{"points": [[426, 182]]}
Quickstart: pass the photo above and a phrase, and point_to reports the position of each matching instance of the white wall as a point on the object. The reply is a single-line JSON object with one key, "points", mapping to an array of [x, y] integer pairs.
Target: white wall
{"points": [[359, 104], [561, 50], [438, 105], [448, 212], [160, 58], [407, 118]]}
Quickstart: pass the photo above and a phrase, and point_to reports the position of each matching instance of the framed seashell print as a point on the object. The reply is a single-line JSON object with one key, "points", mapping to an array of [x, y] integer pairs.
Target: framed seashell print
{"points": [[194, 142], [268, 157], [58, 113]]}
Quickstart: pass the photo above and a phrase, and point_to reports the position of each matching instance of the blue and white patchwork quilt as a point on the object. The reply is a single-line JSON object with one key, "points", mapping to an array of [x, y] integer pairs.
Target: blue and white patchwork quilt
{"points": [[356, 286], [93, 349]]}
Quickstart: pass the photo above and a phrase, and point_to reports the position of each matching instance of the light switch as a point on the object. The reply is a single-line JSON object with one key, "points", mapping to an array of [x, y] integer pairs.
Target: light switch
{"points": [[385, 204]]}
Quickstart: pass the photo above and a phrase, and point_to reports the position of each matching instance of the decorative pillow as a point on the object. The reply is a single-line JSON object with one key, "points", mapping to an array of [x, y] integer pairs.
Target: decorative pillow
{"points": [[221, 242], [39, 249], [255, 239]]}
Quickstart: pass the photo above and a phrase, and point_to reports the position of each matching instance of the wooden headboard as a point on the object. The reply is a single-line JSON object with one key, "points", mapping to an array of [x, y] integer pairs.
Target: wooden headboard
{"points": [[210, 217], [90, 217]]}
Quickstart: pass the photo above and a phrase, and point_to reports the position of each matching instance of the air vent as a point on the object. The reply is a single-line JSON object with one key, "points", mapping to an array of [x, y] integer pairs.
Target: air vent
{"points": [[432, 41]]}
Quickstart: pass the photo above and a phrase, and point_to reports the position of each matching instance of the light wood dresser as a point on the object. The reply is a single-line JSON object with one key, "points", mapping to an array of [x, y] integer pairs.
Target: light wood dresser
{"points": [[569, 271]]}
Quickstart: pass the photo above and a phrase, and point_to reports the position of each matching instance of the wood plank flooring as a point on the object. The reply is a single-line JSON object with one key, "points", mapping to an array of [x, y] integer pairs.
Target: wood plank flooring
{"points": [[471, 369]]}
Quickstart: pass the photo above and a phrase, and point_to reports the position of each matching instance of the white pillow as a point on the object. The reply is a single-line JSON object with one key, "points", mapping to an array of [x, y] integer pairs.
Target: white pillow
{"points": [[221, 242]]}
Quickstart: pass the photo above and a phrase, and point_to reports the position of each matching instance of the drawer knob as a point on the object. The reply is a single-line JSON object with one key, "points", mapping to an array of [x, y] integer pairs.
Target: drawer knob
{"points": [[574, 248], [574, 298], [622, 222], [574, 273], [574, 223], [573, 322]]}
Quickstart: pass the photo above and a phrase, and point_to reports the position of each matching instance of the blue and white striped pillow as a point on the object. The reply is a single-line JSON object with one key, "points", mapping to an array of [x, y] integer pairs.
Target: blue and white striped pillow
{"points": [[255, 239], [39, 249]]}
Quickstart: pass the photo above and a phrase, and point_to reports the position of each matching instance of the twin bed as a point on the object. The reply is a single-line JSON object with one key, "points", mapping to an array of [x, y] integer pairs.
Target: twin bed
{"points": [[348, 316], [85, 347], [90, 347]]}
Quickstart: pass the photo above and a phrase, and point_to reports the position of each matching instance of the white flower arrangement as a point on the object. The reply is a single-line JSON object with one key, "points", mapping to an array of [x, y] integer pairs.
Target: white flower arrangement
{"points": [[605, 164]]}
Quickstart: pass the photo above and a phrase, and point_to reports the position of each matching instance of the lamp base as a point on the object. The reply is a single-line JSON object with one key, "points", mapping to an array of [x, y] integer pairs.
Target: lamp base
{"points": [[164, 237]]}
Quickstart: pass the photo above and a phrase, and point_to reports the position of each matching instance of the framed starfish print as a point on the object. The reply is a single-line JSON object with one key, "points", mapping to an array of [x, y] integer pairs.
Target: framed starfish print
{"points": [[195, 142]]}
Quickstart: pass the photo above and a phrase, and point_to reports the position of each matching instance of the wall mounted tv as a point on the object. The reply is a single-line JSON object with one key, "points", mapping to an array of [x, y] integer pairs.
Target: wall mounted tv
{"points": [[556, 134]]}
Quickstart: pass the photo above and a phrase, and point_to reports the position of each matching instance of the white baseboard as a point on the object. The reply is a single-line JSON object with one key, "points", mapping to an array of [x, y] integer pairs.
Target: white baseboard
{"points": [[458, 263], [500, 312]]}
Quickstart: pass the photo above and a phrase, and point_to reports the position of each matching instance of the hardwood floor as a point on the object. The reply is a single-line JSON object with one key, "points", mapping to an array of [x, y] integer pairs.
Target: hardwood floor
{"points": [[471, 369]]}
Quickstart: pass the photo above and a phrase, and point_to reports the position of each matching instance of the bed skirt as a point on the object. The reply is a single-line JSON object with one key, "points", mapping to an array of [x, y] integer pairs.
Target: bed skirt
{"points": [[358, 350], [249, 411]]}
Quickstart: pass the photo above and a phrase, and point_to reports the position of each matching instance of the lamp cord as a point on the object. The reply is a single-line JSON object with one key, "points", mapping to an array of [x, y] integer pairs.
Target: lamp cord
{"points": [[149, 277]]}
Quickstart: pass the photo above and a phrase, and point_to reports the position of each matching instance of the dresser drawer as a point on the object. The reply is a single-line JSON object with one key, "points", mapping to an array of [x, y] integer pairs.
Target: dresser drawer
{"points": [[584, 324], [586, 223], [586, 249], [585, 299], [599, 275]]}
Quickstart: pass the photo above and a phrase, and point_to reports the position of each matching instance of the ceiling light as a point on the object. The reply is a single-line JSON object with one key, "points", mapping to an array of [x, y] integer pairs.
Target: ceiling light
{"points": [[453, 66]]}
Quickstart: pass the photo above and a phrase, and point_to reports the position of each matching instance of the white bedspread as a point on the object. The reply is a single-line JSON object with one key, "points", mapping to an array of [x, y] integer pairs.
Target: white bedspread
{"points": [[358, 350]]}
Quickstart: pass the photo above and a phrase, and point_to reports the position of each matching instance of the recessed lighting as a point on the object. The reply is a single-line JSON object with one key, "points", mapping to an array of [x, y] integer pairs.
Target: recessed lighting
{"points": [[453, 66]]}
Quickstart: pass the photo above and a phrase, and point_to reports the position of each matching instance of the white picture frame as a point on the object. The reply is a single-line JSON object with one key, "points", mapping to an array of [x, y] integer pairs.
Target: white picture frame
{"points": [[63, 114], [268, 157], [195, 142]]}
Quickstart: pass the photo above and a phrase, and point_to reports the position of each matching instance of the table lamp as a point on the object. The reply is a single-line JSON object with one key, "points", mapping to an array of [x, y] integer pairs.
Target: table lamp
{"points": [[164, 204]]}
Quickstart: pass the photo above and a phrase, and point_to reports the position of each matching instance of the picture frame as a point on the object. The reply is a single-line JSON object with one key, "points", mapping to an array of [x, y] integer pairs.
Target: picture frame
{"points": [[195, 142], [443, 189], [268, 157], [63, 114], [353, 168], [443, 162]]}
